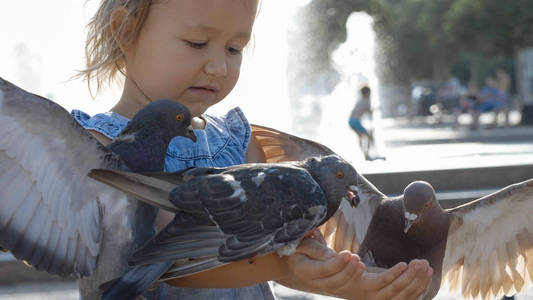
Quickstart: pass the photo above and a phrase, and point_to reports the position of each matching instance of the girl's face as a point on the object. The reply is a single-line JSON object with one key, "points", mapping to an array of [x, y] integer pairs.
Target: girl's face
{"points": [[191, 50]]}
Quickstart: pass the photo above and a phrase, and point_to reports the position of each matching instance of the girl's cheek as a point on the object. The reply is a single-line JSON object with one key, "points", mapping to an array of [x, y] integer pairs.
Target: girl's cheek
{"points": [[236, 65]]}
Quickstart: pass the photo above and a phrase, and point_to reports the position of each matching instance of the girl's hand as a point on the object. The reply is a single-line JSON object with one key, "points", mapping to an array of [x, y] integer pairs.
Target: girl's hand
{"points": [[316, 268], [397, 283]]}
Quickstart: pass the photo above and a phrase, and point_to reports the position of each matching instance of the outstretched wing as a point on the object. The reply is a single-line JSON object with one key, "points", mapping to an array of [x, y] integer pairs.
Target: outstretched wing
{"points": [[279, 146], [489, 250], [50, 214], [347, 228]]}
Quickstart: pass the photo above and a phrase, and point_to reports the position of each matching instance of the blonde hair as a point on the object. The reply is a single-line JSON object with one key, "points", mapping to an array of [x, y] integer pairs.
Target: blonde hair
{"points": [[102, 49]]}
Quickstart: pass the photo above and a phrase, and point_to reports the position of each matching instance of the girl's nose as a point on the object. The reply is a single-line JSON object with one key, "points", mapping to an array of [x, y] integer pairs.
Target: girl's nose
{"points": [[216, 65]]}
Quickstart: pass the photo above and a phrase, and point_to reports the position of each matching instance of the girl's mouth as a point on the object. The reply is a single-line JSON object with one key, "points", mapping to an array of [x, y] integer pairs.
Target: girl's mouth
{"points": [[203, 89]]}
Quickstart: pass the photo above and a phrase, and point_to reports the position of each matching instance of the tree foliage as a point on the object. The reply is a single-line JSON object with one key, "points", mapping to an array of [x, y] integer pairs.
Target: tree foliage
{"points": [[490, 27], [418, 39]]}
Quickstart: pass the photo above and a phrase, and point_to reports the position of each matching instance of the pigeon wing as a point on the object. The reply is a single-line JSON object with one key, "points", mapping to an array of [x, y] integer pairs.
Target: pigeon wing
{"points": [[489, 251], [51, 215], [279, 146], [347, 228], [253, 212]]}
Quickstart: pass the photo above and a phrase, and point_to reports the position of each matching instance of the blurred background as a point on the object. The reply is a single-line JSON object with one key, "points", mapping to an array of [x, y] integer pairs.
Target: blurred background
{"points": [[432, 67]]}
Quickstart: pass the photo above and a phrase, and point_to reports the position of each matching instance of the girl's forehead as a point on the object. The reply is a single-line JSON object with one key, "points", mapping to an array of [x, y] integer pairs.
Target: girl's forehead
{"points": [[199, 6], [209, 13]]}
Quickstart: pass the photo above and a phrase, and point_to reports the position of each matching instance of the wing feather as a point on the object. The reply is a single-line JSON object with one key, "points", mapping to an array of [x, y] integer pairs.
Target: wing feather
{"points": [[50, 209], [280, 146], [490, 243], [37, 253], [21, 219], [343, 231]]}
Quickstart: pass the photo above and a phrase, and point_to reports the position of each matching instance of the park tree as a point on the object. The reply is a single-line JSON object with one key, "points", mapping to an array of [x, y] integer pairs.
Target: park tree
{"points": [[493, 28], [413, 44], [490, 27]]}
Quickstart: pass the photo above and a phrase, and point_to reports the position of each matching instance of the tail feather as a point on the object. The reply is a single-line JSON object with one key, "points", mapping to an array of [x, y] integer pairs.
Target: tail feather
{"points": [[134, 282], [147, 189]]}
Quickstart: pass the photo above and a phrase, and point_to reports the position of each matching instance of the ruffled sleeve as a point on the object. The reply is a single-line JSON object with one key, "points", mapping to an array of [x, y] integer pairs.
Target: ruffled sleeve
{"points": [[109, 124]]}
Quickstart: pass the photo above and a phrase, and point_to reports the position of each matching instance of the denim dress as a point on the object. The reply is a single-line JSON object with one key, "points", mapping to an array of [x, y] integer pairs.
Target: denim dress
{"points": [[222, 143]]}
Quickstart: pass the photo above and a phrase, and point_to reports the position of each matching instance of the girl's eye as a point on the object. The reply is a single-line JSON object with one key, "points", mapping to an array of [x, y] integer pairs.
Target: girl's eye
{"points": [[196, 45], [235, 51]]}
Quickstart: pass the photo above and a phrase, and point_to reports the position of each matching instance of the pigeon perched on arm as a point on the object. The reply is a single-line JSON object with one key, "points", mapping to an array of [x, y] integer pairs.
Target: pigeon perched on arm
{"points": [[229, 214], [56, 218], [484, 248], [345, 229]]}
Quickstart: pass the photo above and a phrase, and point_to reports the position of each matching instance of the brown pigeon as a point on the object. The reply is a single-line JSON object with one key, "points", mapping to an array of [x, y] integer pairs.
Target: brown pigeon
{"points": [[484, 247], [488, 249]]}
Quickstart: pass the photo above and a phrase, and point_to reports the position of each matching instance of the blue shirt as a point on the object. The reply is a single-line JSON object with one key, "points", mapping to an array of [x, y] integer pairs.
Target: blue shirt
{"points": [[222, 143]]}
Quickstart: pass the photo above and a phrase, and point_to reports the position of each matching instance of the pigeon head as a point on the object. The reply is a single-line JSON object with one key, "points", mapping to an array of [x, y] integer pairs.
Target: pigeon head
{"points": [[168, 117], [337, 178], [143, 143], [419, 201]]}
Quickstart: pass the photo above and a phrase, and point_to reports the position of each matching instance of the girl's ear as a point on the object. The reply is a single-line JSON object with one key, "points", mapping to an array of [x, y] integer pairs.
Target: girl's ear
{"points": [[123, 29]]}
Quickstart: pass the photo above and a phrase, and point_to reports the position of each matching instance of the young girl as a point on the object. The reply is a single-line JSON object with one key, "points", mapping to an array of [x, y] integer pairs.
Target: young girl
{"points": [[191, 51]]}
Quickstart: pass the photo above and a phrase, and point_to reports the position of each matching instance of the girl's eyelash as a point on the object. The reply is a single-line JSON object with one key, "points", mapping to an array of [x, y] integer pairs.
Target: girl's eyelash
{"points": [[196, 45], [235, 51], [200, 45]]}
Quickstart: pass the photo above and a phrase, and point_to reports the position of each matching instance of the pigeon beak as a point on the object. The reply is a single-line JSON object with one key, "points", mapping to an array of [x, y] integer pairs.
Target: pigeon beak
{"points": [[408, 224], [410, 219], [190, 134], [352, 196]]}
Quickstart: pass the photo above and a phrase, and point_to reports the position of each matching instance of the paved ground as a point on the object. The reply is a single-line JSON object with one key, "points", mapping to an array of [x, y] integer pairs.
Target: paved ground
{"points": [[419, 144]]}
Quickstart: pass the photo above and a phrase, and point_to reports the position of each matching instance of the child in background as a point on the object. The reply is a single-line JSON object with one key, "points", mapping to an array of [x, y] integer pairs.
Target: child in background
{"points": [[191, 51], [362, 107]]}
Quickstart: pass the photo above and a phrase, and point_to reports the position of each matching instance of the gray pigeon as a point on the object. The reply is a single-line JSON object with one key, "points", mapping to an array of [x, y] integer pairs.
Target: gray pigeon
{"points": [[485, 247], [55, 217], [493, 243], [228, 214]]}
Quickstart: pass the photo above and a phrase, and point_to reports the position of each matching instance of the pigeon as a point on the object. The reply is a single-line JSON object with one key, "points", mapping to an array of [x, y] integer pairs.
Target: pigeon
{"points": [[347, 227], [489, 240], [56, 218], [484, 247], [229, 214]]}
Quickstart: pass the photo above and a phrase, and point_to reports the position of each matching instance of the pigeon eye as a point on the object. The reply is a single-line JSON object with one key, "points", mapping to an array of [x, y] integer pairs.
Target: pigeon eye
{"points": [[340, 175], [427, 205], [179, 117]]}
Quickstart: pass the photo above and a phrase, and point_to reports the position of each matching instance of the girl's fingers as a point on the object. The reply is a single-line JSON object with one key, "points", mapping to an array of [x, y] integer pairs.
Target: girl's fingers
{"points": [[315, 250], [418, 286], [389, 276], [409, 282], [336, 283], [316, 269]]}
